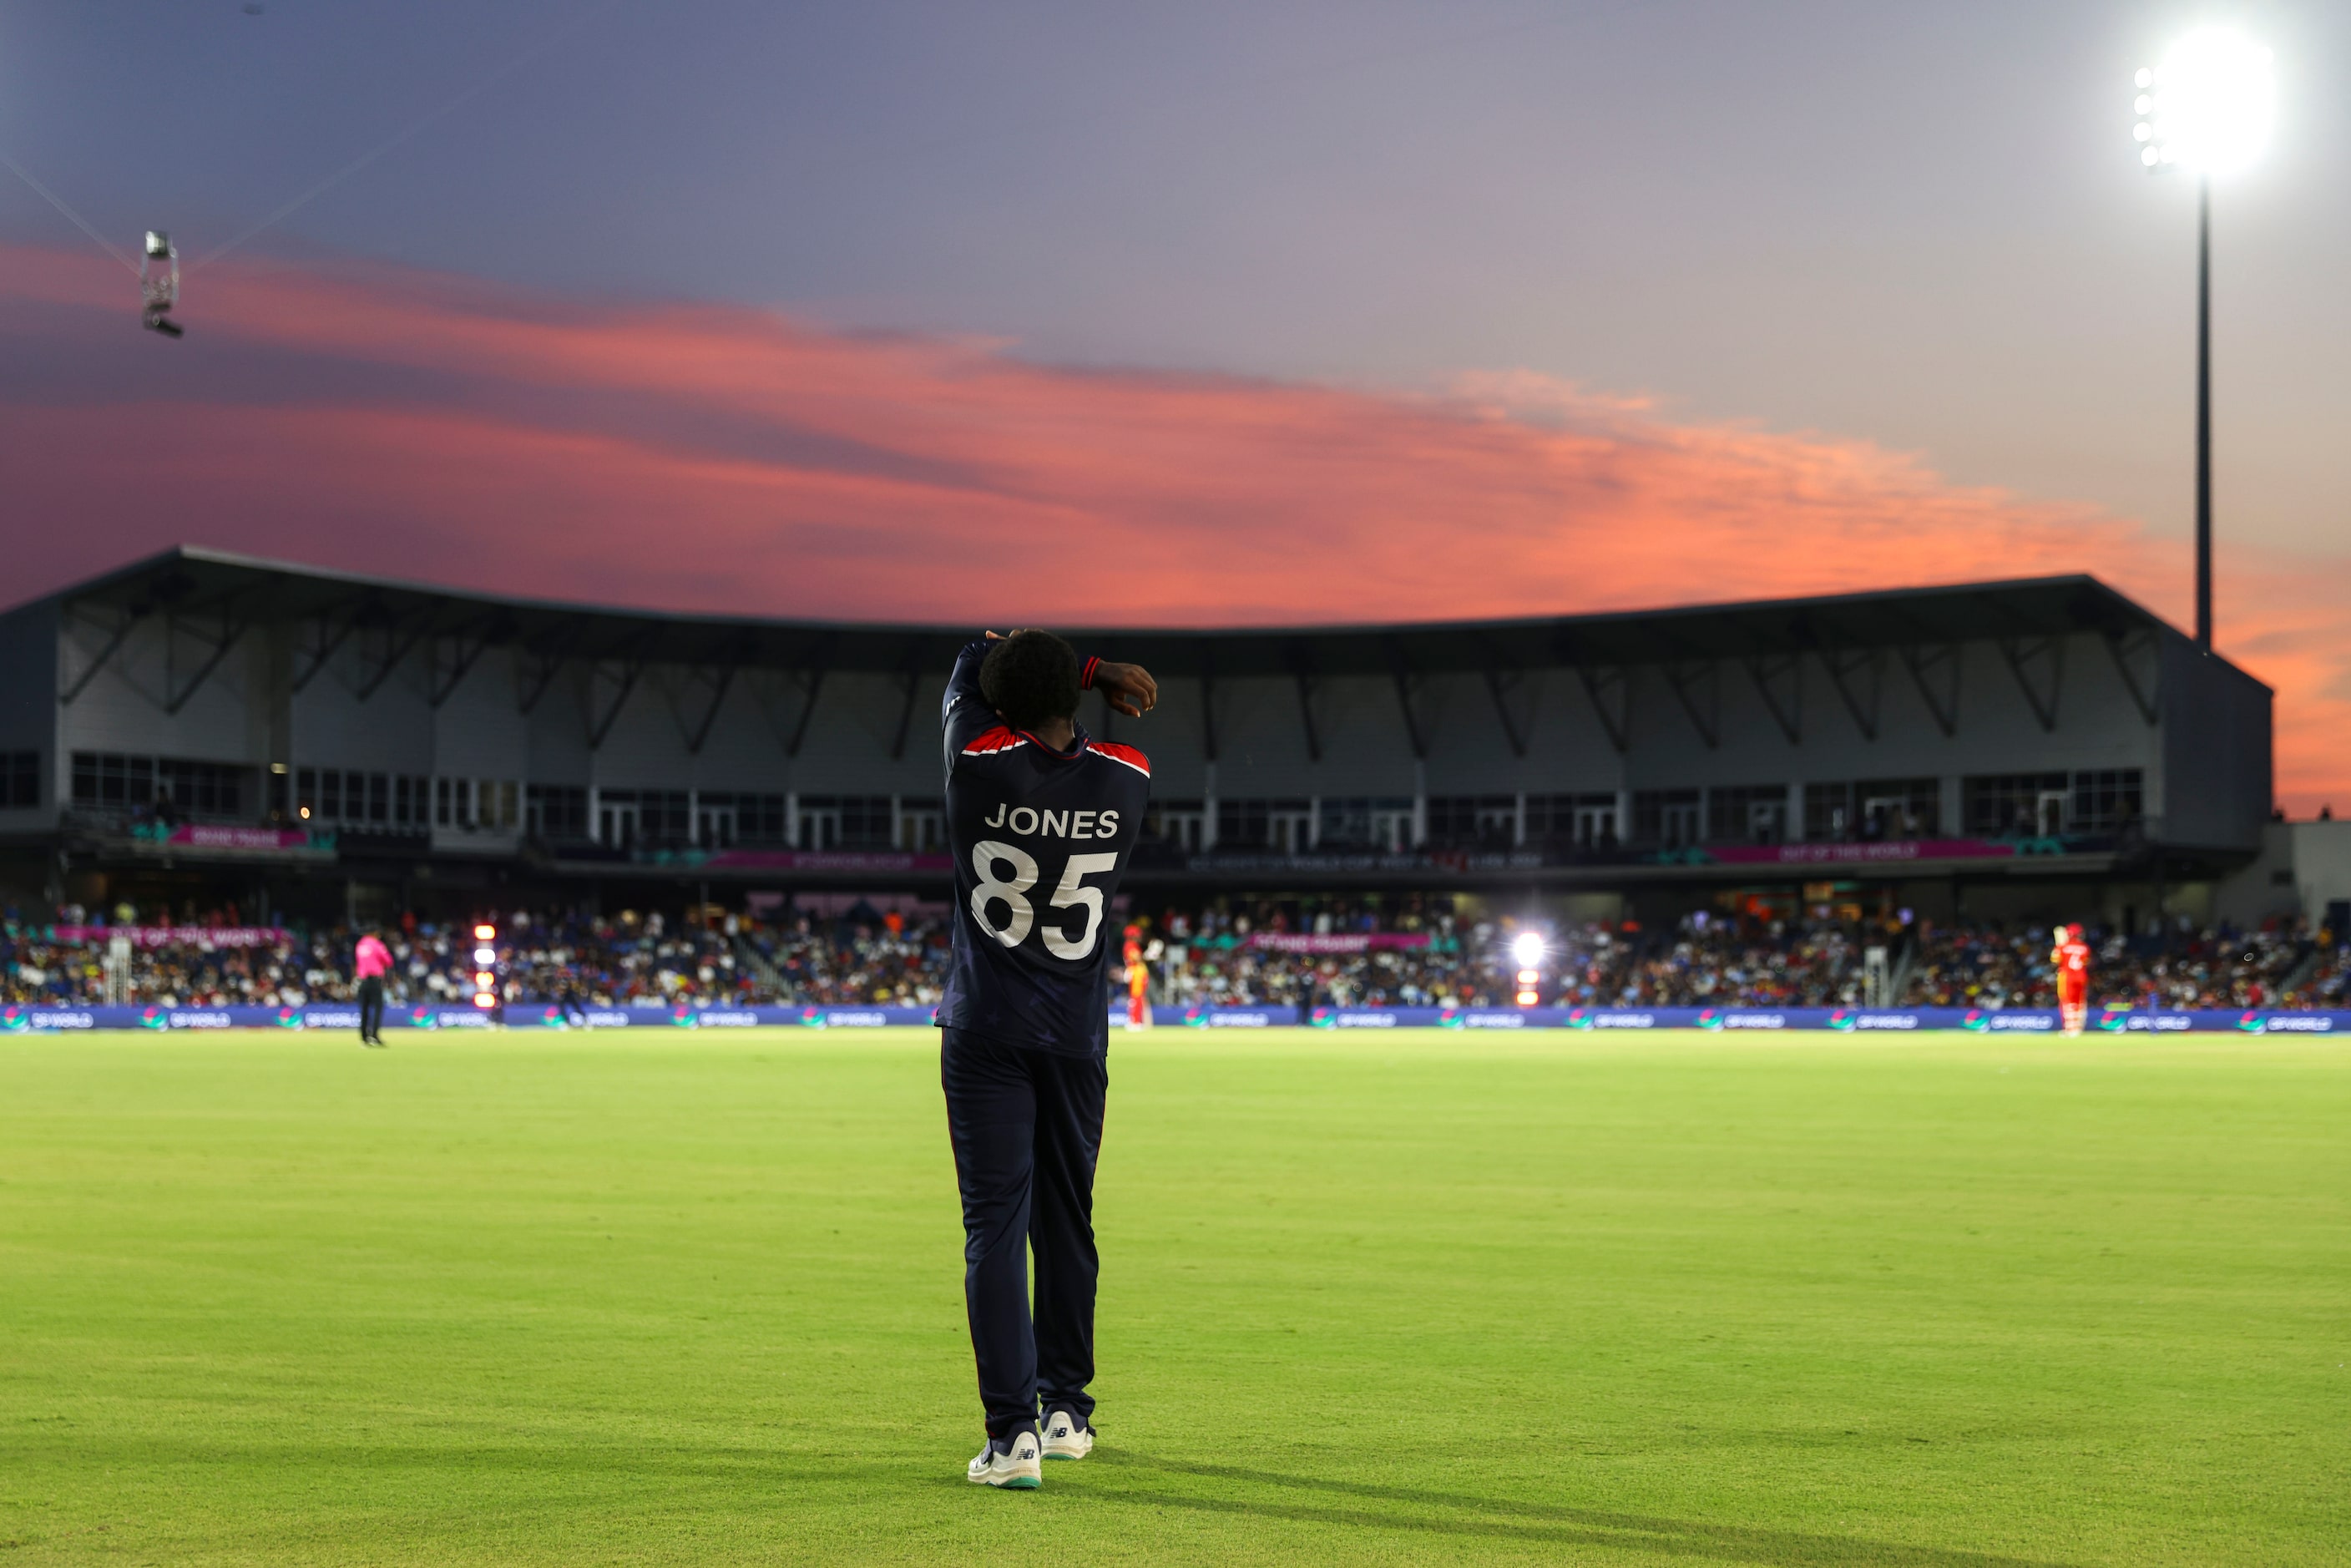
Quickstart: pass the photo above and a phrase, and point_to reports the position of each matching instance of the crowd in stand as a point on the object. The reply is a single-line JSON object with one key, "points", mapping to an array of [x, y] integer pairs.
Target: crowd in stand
{"points": [[1720, 963], [861, 958], [1713, 962], [1334, 953], [2221, 969], [625, 961]]}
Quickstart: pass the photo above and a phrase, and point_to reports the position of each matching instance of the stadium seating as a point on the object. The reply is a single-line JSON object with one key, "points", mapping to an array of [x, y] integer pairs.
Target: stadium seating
{"points": [[1212, 958], [2221, 968]]}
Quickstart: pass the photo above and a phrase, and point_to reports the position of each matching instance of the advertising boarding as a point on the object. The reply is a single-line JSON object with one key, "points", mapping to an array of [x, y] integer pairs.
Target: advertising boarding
{"points": [[33, 1018]]}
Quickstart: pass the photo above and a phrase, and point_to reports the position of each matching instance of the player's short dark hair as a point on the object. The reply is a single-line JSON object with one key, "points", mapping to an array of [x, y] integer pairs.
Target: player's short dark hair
{"points": [[1030, 677]]}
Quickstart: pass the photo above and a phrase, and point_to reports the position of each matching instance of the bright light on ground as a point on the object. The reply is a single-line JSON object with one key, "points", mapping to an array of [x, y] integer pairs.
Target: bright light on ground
{"points": [[2210, 103]]}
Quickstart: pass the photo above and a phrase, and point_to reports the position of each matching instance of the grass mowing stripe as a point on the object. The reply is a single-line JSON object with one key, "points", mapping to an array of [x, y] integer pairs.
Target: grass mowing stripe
{"points": [[695, 1297]]}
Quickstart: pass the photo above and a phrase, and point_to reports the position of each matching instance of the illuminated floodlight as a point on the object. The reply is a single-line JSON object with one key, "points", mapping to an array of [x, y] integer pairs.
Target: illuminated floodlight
{"points": [[2208, 105], [485, 933], [485, 956], [483, 999], [1527, 947]]}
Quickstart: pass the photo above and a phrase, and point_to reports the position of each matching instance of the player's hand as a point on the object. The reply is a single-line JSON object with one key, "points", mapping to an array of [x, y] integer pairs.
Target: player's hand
{"points": [[1129, 687]]}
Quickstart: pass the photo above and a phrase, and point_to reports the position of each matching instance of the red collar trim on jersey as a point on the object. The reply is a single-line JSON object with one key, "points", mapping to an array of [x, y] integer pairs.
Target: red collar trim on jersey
{"points": [[1004, 738], [1122, 754], [1001, 738]]}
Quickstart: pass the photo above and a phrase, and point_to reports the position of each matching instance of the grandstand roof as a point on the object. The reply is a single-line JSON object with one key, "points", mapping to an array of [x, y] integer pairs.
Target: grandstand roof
{"points": [[193, 580]]}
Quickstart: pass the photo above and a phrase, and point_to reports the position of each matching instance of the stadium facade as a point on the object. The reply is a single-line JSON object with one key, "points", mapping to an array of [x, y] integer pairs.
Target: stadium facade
{"points": [[203, 725]]}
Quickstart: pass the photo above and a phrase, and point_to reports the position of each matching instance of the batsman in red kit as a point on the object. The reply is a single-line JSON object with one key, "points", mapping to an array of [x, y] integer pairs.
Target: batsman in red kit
{"points": [[2071, 956]]}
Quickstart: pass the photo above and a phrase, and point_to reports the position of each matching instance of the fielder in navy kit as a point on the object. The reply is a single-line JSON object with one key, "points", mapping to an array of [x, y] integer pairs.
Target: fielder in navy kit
{"points": [[1042, 818]]}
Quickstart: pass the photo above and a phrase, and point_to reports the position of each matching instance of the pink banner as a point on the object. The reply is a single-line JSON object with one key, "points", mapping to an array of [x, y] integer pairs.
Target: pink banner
{"points": [[1862, 854], [1337, 941], [178, 935], [212, 836], [826, 860]]}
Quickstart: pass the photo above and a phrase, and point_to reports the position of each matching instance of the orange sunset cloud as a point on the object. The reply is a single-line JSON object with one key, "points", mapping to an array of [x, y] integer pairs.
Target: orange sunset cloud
{"points": [[722, 458]]}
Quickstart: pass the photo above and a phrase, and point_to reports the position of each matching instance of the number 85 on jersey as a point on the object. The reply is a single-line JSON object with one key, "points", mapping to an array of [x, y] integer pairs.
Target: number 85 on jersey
{"points": [[1009, 895]]}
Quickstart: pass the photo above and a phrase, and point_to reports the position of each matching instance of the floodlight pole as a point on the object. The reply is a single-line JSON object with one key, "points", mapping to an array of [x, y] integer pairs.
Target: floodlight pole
{"points": [[2204, 413]]}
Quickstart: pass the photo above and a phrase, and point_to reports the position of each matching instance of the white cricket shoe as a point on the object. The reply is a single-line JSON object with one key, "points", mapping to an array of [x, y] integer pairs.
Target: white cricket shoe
{"points": [[1013, 1462], [1066, 1437]]}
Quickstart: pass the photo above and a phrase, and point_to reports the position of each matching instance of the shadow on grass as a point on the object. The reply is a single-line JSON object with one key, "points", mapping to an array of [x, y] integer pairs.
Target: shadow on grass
{"points": [[1539, 1523]]}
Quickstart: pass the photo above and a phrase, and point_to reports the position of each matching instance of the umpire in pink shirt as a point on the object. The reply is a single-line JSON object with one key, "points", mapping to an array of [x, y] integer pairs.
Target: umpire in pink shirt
{"points": [[370, 962]]}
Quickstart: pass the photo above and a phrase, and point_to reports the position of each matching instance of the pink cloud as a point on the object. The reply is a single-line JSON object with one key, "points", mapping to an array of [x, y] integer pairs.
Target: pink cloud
{"points": [[725, 459]]}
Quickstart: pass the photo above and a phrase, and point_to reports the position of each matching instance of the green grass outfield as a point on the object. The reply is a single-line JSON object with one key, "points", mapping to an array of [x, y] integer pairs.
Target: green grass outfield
{"points": [[1636, 1299]]}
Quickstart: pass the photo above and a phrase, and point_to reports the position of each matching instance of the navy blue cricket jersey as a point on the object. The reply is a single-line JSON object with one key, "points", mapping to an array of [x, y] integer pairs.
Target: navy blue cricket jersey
{"points": [[1041, 839]]}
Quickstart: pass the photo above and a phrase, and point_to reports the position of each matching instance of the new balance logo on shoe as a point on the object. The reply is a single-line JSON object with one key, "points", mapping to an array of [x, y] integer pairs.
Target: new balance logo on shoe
{"points": [[1008, 1462], [1066, 1438]]}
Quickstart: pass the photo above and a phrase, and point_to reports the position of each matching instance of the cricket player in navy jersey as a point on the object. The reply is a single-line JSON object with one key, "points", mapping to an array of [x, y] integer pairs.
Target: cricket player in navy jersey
{"points": [[1042, 818]]}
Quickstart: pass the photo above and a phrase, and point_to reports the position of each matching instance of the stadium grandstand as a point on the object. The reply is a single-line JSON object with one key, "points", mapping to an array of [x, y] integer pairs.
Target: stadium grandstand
{"points": [[1723, 803], [853, 955]]}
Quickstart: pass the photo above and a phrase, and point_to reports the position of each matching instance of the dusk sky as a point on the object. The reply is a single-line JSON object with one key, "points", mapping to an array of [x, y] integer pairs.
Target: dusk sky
{"points": [[1190, 314]]}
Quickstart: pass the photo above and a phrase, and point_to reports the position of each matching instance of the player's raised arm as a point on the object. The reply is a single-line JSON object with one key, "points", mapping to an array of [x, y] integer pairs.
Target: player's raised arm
{"points": [[965, 712], [1129, 687]]}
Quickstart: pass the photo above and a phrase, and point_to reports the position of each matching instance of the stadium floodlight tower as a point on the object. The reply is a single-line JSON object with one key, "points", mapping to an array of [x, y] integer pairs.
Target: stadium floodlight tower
{"points": [[2206, 109]]}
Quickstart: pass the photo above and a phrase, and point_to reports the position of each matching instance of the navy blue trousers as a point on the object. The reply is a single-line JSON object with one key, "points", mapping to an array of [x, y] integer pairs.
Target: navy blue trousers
{"points": [[1027, 1129]]}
